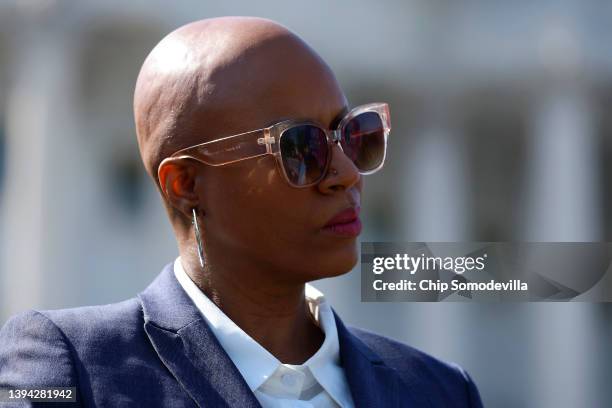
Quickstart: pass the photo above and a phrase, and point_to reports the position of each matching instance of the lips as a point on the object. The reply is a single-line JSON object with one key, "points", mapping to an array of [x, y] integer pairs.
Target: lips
{"points": [[344, 216], [345, 223]]}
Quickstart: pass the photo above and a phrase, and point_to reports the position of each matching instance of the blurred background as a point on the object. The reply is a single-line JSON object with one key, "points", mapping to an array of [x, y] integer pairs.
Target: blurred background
{"points": [[502, 132]]}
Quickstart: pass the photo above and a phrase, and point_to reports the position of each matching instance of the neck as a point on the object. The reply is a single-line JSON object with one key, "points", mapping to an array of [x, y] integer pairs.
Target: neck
{"points": [[273, 313]]}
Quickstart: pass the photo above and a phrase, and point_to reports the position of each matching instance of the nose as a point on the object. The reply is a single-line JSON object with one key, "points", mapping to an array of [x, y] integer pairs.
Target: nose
{"points": [[346, 176]]}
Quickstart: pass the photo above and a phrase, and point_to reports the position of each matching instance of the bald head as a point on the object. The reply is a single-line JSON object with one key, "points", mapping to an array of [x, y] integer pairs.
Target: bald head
{"points": [[222, 76]]}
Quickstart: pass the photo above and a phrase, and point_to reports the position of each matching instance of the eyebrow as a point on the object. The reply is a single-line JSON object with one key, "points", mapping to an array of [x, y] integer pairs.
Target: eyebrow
{"points": [[336, 120]]}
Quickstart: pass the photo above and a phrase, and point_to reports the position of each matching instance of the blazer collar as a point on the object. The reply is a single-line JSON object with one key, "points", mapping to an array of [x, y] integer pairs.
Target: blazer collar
{"points": [[188, 348], [373, 383]]}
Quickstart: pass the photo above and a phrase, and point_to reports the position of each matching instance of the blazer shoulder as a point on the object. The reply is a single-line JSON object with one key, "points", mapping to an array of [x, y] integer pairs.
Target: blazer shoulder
{"points": [[417, 367], [94, 326], [99, 316], [86, 330], [34, 353], [110, 335]]}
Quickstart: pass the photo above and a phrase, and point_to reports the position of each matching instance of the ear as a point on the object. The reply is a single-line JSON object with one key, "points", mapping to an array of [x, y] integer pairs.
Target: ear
{"points": [[177, 180]]}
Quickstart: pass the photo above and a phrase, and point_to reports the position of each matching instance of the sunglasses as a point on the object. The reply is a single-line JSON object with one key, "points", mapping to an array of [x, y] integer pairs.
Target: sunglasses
{"points": [[303, 149]]}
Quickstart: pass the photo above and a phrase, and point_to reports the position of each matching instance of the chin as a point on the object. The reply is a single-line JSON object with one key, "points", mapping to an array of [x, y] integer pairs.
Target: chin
{"points": [[336, 262]]}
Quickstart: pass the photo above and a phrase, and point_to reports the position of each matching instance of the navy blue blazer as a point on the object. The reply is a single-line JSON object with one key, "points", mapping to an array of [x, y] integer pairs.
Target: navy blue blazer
{"points": [[157, 350]]}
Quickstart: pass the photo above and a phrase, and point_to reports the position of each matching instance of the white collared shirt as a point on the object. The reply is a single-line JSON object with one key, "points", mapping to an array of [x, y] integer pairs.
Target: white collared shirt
{"points": [[318, 383]]}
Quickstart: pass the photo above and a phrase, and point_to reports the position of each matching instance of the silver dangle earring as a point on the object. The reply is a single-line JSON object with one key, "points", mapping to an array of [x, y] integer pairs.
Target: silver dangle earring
{"points": [[198, 239]]}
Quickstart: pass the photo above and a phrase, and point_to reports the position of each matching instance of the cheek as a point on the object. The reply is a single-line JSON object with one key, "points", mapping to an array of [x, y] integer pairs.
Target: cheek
{"points": [[259, 175], [266, 218], [252, 202]]}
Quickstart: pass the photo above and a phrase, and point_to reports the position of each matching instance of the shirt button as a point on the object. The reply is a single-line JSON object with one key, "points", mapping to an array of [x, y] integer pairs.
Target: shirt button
{"points": [[288, 379]]}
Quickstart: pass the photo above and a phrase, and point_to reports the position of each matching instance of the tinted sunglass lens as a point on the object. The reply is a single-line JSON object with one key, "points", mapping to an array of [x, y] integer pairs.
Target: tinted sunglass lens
{"points": [[304, 152], [363, 141]]}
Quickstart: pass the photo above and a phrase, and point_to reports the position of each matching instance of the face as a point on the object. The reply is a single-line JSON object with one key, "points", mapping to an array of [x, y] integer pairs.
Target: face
{"points": [[250, 209], [255, 77]]}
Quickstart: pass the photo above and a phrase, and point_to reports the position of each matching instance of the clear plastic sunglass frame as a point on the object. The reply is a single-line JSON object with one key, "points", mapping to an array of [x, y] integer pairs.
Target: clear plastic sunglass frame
{"points": [[266, 141]]}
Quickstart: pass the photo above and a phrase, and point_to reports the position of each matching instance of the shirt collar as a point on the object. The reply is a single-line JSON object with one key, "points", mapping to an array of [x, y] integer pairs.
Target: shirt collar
{"points": [[255, 363]]}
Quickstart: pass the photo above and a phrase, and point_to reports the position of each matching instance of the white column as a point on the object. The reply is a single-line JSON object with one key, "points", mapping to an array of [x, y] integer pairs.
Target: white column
{"points": [[435, 209], [563, 205], [435, 202], [39, 196], [562, 171]]}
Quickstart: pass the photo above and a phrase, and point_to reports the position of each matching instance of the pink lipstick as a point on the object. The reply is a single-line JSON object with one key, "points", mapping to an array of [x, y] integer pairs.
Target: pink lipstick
{"points": [[345, 223]]}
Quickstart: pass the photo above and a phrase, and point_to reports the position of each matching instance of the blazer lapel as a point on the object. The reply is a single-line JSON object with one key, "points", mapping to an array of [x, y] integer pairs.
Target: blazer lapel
{"points": [[372, 382], [189, 349]]}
